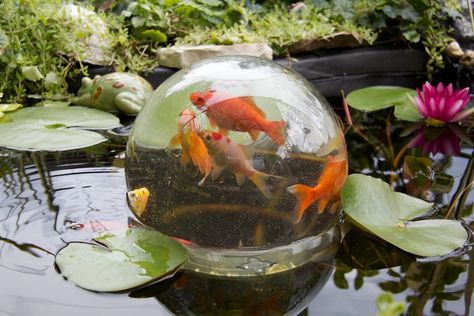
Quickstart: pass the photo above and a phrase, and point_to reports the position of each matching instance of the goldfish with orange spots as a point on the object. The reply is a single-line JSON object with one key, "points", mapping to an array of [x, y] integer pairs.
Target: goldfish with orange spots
{"points": [[193, 146], [137, 200], [237, 114], [327, 189], [226, 154]]}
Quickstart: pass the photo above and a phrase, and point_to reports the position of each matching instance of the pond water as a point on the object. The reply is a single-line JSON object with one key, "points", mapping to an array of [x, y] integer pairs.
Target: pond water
{"points": [[50, 199]]}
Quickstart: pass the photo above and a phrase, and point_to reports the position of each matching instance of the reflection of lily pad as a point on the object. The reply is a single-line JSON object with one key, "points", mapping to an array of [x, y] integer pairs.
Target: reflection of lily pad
{"points": [[54, 128], [371, 204], [377, 97], [362, 250], [132, 258]]}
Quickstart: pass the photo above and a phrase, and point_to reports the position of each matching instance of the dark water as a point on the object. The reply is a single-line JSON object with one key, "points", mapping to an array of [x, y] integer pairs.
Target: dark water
{"points": [[47, 200], [179, 207]]}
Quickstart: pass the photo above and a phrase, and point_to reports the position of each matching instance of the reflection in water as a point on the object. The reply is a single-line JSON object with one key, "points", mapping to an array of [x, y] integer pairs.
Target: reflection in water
{"points": [[287, 292], [47, 200]]}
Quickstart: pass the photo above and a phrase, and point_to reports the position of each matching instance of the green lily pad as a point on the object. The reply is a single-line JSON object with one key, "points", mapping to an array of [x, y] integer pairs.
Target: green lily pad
{"points": [[406, 110], [9, 107], [377, 97], [54, 128], [372, 205], [130, 258]]}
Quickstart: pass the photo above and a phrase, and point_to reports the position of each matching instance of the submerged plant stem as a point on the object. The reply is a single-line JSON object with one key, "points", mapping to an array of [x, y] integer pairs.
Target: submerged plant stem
{"points": [[459, 198]]}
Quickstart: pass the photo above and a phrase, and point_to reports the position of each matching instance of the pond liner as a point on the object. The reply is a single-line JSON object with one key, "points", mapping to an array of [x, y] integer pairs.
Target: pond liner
{"points": [[337, 70]]}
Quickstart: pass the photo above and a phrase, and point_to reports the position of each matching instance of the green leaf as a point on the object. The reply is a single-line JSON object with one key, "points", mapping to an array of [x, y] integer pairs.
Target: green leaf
{"points": [[154, 35], [32, 73], [8, 107], [377, 97], [32, 128], [405, 110], [130, 258], [53, 103], [372, 205], [387, 306]]}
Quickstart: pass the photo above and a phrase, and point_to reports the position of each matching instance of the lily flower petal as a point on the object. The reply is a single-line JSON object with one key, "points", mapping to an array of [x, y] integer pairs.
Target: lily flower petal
{"points": [[441, 104]]}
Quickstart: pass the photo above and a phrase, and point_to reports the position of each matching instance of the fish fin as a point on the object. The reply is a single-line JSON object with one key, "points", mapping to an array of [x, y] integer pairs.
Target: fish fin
{"points": [[250, 101], [199, 154], [212, 122], [175, 141], [248, 152], [216, 172], [304, 198], [240, 178], [254, 134], [185, 158], [201, 182], [335, 206], [323, 203], [274, 130], [259, 179], [223, 131]]}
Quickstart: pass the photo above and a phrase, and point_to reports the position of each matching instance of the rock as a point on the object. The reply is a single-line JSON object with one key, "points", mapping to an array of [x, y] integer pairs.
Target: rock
{"points": [[454, 50], [467, 59], [88, 36], [183, 56], [342, 39]]}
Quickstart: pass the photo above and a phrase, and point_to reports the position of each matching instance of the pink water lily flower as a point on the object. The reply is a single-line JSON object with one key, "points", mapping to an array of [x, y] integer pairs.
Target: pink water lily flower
{"points": [[440, 105]]}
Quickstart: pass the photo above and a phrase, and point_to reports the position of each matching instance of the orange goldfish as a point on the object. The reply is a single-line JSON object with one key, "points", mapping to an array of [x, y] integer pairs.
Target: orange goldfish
{"points": [[233, 157], [327, 189], [193, 146], [237, 114]]}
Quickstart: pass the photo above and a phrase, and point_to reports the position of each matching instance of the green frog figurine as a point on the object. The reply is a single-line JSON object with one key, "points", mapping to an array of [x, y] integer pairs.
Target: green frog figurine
{"points": [[115, 92]]}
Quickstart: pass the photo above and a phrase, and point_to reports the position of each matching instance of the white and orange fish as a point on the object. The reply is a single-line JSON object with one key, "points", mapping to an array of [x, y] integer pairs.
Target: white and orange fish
{"points": [[193, 147], [237, 114], [327, 189], [226, 154]]}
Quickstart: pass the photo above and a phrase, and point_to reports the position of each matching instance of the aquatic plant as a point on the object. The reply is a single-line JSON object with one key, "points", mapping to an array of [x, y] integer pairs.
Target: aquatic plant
{"points": [[55, 127], [372, 205], [43, 50], [442, 104], [130, 258]]}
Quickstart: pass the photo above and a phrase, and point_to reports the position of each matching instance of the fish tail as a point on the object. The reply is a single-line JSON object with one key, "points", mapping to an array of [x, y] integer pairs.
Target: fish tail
{"points": [[259, 179], [175, 140], [305, 196], [275, 131]]}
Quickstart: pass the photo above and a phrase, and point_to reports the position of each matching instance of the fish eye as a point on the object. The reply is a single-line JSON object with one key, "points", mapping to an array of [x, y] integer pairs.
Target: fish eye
{"points": [[208, 137], [201, 99]]}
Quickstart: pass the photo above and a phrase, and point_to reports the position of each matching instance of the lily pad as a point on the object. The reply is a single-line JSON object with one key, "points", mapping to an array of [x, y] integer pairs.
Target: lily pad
{"points": [[406, 110], [377, 97], [126, 260], [372, 205], [54, 128]]}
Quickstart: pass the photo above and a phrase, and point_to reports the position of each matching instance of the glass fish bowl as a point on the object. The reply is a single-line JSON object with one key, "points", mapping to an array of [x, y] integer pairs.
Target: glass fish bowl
{"points": [[242, 161]]}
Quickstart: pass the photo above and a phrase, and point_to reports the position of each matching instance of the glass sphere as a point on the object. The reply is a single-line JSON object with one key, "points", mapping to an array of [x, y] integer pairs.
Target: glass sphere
{"points": [[239, 155]]}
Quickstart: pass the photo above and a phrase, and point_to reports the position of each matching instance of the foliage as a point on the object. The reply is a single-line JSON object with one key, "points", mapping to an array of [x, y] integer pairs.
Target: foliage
{"points": [[39, 59], [157, 21], [387, 306], [55, 127], [130, 258], [372, 205]]}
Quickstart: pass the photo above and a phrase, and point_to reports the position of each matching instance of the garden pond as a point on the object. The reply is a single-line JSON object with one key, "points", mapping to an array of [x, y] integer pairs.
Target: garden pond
{"points": [[50, 199]]}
